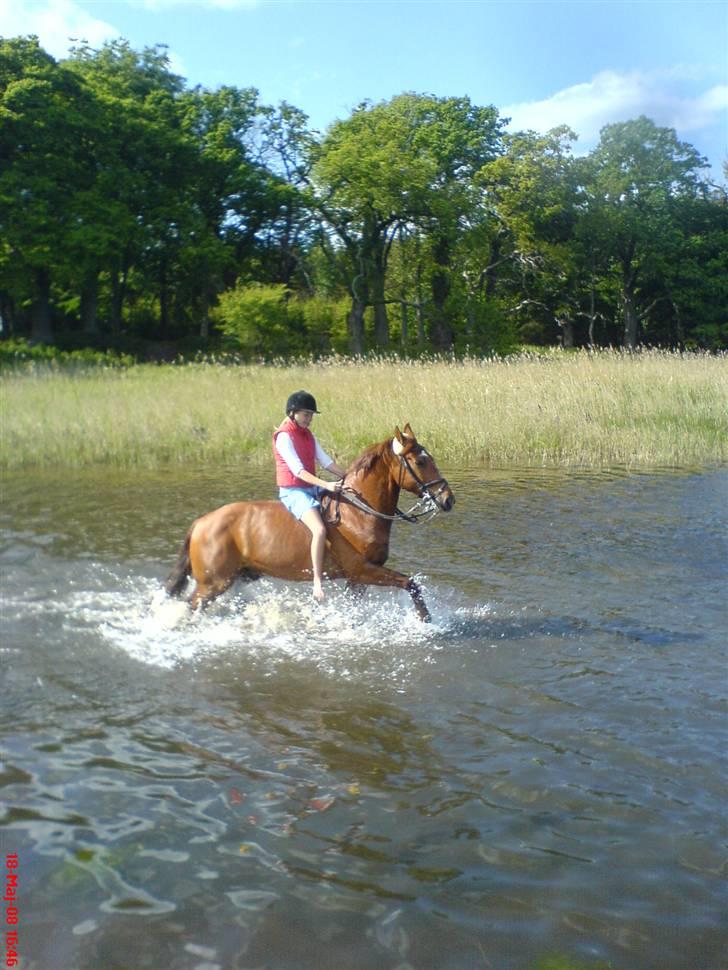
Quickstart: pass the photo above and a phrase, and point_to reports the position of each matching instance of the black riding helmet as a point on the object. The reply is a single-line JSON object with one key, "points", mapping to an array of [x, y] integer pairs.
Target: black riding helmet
{"points": [[301, 401]]}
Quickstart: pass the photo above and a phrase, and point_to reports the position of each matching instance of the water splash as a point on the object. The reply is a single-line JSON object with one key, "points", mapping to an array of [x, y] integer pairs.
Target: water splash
{"points": [[270, 623], [377, 636]]}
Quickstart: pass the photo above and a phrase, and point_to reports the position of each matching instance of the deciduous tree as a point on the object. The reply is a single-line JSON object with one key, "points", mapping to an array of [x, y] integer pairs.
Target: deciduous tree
{"points": [[633, 181]]}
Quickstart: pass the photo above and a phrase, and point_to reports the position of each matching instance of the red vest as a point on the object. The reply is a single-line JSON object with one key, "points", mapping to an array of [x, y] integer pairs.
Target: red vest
{"points": [[305, 445]]}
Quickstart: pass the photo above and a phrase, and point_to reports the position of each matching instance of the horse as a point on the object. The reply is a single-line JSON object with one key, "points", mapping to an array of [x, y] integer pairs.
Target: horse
{"points": [[249, 539]]}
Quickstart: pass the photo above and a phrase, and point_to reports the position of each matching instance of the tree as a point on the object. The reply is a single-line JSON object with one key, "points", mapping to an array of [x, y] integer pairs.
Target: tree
{"points": [[286, 157], [522, 245], [130, 212], [46, 168], [453, 139], [130, 202], [689, 286], [633, 182], [358, 175], [407, 162], [220, 184]]}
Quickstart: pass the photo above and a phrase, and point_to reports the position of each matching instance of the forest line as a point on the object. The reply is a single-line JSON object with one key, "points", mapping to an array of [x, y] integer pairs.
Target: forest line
{"points": [[134, 208]]}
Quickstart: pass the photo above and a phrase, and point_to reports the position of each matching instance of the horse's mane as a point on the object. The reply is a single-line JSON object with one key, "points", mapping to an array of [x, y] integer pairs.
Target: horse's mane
{"points": [[368, 459]]}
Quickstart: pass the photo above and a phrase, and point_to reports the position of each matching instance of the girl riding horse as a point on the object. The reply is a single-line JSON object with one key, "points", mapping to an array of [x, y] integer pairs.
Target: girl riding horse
{"points": [[297, 452], [246, 540]]}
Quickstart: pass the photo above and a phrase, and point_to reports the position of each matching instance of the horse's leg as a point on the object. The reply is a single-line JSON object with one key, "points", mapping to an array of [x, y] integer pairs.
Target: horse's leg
{"points": [[413, 588], [356, 589], [360, 572], [371, 575], [215, 565], [205, 593]]}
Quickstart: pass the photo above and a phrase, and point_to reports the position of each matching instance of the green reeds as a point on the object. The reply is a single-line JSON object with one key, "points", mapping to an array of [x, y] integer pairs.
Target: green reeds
{"points": [[591, 409]]}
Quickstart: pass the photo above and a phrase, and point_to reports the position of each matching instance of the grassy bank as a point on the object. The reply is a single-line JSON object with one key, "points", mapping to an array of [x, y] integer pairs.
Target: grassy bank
{"points": [[584, 409]]}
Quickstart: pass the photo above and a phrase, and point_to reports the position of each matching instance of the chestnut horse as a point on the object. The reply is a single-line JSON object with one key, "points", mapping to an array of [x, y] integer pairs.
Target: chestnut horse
{"points": [[250, 539]]}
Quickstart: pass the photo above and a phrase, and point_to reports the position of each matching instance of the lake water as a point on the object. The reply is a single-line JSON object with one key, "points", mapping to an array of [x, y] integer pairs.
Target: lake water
{"points": [[537, 779]]}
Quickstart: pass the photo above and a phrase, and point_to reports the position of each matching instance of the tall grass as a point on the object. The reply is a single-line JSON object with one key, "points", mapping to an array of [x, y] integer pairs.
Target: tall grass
{"points": [[585, 409]]}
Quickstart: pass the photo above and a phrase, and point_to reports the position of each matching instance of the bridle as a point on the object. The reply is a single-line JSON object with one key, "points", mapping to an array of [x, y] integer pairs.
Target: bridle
{"points": [[424, 488], [425, 508]]}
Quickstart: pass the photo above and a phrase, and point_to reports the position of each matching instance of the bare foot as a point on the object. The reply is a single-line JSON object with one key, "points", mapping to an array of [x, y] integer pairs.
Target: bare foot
{"points": [[318, 592]]}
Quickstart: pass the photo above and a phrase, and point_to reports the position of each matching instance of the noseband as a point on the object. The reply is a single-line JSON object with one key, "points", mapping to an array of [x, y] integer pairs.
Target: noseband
{"points": [[424, 488]]}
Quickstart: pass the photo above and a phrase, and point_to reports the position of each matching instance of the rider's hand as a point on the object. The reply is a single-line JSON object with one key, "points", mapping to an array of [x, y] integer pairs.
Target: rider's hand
{"points": [[336, 486]]}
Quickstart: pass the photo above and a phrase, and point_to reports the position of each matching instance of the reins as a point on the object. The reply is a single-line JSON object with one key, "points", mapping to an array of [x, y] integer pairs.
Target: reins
{"points": [[425, 507], [352, 498]]}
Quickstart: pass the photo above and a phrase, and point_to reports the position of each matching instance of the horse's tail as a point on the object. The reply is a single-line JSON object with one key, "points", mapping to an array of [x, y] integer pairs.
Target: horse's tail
{"points": [[177, 579]]}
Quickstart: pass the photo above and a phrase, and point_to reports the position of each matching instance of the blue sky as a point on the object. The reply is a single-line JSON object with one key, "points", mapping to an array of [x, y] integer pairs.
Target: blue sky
{"points": [[545, 63]]}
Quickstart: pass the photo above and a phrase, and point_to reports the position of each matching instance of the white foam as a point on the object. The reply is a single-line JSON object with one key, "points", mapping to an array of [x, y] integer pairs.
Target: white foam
{"points": [[267, 622], [273, 622]]}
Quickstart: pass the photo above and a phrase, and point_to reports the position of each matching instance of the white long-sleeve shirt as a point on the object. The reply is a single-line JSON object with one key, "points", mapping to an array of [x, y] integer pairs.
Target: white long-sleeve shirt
{"points": [[288, 453]]}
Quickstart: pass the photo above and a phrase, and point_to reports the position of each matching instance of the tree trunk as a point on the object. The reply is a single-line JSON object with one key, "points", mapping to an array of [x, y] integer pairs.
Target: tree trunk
{"points": [[440, 329], [567, 333], [359, 302], [491, 273], [629, 303], [631, 317], [117, 301], [381, 318], [355, 324], [591, 315], [118, 294], [89, 303], [421, 329], [205, 317], [163, 300], [679, 330], [42, 329], [7, 316]]}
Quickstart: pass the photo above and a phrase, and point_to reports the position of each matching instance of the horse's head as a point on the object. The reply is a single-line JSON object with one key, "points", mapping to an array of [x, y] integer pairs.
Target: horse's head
{"points": [[417, 470]]}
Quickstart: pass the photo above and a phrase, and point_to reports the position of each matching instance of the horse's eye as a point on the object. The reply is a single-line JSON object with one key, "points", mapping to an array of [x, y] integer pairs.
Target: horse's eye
{"points": [[421, 460]]}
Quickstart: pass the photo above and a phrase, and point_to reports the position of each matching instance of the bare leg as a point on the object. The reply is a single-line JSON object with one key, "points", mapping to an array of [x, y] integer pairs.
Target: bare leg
{"points": [[312, 520]]}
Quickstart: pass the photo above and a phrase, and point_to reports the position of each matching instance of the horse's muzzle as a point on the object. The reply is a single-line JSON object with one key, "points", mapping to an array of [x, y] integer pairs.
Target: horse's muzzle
{"points": [[444, 498], [447, 502]]}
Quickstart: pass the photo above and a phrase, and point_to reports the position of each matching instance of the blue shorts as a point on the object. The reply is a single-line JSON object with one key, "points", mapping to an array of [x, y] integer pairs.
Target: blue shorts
{"points": [[299, 500]]}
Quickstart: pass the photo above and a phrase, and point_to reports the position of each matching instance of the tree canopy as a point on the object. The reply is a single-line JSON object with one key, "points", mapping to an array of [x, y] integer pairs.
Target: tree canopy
{"points": [[134, 208]]}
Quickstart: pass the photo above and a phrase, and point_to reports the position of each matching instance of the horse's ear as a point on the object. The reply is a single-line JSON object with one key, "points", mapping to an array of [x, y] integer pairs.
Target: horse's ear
{"points": [[397, 441], [408, 430]]}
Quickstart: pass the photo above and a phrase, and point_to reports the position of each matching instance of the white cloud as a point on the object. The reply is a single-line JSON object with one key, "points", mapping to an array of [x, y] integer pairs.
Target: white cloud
{"points": [[54, 22], [612, 97], [60, 24]]}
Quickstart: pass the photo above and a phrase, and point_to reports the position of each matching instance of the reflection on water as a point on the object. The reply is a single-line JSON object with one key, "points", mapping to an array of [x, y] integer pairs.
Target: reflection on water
{"points": [[535, 776]]}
